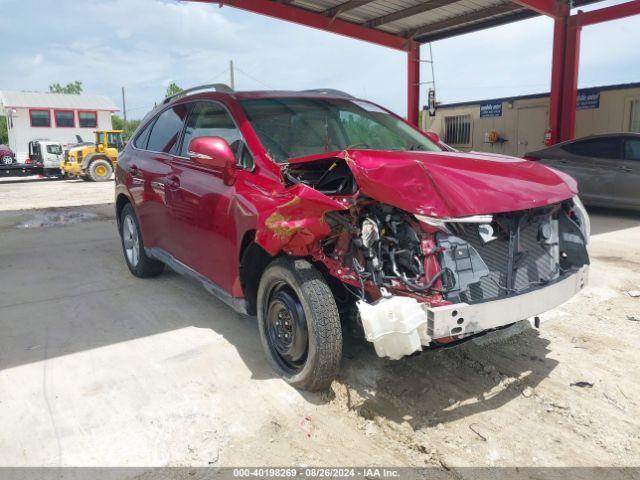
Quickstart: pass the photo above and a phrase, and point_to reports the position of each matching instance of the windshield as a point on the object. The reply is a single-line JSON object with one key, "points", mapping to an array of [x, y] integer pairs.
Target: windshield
{"points": [[114, 140], [297, 127]]}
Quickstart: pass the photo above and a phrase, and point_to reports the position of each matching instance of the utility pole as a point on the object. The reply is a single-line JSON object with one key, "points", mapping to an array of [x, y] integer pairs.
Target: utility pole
{"points": [[124, 107], [232, 76]]}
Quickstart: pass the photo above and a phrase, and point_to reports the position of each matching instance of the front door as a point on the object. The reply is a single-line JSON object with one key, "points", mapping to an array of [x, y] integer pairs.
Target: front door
{"points": [[201, 225]]}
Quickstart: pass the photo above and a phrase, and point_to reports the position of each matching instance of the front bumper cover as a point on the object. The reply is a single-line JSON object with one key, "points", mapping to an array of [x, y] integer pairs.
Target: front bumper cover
{"points": [[399, 326]]}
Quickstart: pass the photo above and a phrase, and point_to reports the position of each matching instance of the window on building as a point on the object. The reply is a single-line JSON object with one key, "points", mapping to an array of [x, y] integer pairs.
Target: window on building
{"points": [[634, 117], [88, 119], [610, 147], [457, 130], [40, 118], [166, 131], [65, 118]]}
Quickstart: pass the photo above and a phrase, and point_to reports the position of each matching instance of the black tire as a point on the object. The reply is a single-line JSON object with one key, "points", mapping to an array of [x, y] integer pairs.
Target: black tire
{"points": [[295, 288], [141, 265], [100, 170]]}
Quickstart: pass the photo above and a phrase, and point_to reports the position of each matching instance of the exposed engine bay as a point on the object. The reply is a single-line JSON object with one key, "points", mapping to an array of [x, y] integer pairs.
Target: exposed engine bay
{"points": [[414, 263]]}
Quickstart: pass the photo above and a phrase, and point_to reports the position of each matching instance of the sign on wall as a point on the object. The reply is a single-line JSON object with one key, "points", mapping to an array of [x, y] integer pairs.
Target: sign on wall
{"points": [[490, 109], [588, 99]]}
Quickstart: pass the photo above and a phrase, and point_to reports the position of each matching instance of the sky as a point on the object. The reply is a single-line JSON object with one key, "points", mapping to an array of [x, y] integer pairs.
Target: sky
{"points": [[143, 45]]}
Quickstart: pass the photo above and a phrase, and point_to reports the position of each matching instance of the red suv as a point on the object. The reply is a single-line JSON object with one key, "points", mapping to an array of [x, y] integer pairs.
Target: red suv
{"points": [[316, 211]]}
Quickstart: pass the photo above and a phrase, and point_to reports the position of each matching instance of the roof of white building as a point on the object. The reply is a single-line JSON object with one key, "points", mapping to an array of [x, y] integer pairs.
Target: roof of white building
{"points": [[11, 99]]}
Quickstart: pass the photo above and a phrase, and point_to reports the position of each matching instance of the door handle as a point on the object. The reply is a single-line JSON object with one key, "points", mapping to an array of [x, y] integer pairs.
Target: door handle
{"points": [[173, 182], [625, 169]]}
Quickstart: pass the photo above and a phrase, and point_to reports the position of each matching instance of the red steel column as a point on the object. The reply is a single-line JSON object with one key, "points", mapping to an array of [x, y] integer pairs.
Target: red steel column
{"points": [[570, 80], [413, 83], [557, 75]]}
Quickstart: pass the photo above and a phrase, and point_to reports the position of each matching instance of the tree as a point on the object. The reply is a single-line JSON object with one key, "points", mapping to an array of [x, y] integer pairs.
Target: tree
{"points": [[74, 88], [4, 135], [127, 127], [172, 89]]}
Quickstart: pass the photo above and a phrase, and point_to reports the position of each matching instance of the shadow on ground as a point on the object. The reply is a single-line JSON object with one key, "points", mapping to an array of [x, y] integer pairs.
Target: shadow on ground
{"points": [[80, 296]]}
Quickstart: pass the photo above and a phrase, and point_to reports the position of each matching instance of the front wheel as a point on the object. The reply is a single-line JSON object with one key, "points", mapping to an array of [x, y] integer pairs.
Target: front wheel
{"points": [[100, 170], [299, 324], [133, 248]]}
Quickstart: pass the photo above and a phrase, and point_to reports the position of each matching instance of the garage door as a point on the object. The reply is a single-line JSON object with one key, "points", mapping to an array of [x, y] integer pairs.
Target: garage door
{"points": [[532, 123]]}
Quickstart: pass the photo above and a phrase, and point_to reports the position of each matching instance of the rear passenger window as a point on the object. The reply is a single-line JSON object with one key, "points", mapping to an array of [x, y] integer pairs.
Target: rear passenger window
{"points": [[165, 133], [597, 147], [143, 137], [209, 119], [632, 150]]}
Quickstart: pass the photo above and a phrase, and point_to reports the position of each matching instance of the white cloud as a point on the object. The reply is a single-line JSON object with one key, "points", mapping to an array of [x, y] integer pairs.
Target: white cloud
{"points": [[145, 44]]}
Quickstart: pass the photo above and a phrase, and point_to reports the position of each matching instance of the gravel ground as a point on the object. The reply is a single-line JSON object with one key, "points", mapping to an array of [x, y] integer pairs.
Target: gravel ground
{"points": [[100, 368]]}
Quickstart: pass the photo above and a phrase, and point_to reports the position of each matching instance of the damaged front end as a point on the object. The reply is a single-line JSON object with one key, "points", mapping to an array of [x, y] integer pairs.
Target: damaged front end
{"points": [[417, 280]]}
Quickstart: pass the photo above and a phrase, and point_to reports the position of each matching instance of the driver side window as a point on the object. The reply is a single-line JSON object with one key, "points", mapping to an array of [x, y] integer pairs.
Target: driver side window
{"points": [[210, 119]]}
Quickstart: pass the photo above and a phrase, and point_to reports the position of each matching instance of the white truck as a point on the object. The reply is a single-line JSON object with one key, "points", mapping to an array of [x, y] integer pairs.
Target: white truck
{"points": [[45, 157]]}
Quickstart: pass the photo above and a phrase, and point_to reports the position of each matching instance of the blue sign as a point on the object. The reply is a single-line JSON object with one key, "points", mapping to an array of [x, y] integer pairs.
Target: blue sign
{"points": [[588, 99], [491, 109]]}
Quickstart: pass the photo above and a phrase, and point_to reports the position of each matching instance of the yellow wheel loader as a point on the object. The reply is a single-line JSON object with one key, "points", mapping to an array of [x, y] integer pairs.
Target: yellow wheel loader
{"points": [[94, 161]]}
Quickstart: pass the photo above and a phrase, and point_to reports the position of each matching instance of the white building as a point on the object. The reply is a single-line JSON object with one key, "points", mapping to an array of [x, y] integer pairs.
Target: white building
{"points": [[53, 116]]}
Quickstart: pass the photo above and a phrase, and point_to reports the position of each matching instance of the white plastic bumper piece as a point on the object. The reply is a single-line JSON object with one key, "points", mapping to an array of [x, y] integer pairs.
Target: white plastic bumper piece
{"points": [[399, 326]]}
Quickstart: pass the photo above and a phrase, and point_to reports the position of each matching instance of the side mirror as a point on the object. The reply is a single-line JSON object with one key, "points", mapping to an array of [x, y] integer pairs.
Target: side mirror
{"points": [[215, 154], [433, 136]]}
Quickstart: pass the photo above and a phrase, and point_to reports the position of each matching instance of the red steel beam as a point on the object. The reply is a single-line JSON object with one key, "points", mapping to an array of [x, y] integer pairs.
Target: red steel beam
{"points": [[570, 80], [557, 77], [608, 13], [552, 8], [317, 20], [413, 84]]}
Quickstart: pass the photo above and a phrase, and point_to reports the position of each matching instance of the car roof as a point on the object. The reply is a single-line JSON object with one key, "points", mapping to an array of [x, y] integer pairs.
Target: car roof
{"points": [[600, 135]]}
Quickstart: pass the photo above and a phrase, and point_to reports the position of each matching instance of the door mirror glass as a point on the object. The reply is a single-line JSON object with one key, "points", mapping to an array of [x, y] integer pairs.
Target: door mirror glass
{"points": [[434, 137], [216, 154]]}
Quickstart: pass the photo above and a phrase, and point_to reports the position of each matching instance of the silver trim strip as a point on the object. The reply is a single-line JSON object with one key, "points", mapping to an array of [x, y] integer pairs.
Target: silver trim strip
{"points": [[238, 304]]}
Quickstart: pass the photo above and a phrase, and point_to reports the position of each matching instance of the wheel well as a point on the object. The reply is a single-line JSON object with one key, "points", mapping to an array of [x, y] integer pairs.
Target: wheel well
{"points": [[253, 262], [121, 201]]}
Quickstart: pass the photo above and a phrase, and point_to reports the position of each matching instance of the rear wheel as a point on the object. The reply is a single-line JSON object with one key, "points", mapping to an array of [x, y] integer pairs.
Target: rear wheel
{"points": [[133, 248], [299, 324], [100, 170]]}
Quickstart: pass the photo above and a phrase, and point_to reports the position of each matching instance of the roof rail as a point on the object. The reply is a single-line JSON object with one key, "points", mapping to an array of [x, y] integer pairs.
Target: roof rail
{"points": [[330, 91], [216, 87]]}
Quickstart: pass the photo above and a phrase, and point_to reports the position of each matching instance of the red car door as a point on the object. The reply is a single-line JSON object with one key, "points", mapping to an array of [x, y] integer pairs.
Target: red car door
{"points": [[201, 227], [149, 167]]}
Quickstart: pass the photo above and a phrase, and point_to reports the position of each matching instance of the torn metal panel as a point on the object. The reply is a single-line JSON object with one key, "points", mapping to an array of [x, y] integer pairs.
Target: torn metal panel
{"points": [[452, 184], [295, 220]]}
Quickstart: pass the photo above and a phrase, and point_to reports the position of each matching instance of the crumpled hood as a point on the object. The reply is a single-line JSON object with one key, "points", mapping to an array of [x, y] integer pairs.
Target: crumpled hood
{"points": [[454, 184]]}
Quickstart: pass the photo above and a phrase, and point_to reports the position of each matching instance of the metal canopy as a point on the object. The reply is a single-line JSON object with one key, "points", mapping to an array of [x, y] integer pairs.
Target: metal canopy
{"points": [[418, 20], [405, 24]]}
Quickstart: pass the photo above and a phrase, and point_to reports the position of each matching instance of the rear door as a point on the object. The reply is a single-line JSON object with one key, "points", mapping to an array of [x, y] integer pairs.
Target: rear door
{"points": [[583, 160], [149, 169], [599, 183], [627, 186]]}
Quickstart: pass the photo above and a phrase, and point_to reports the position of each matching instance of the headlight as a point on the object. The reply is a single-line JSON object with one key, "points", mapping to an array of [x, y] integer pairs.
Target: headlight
{"points": [[583, 218], [438, 223], [441, 223]]}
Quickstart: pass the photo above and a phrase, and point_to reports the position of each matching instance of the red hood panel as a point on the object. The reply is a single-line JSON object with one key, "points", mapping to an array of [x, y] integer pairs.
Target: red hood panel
{"points": [[453, 184]]}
